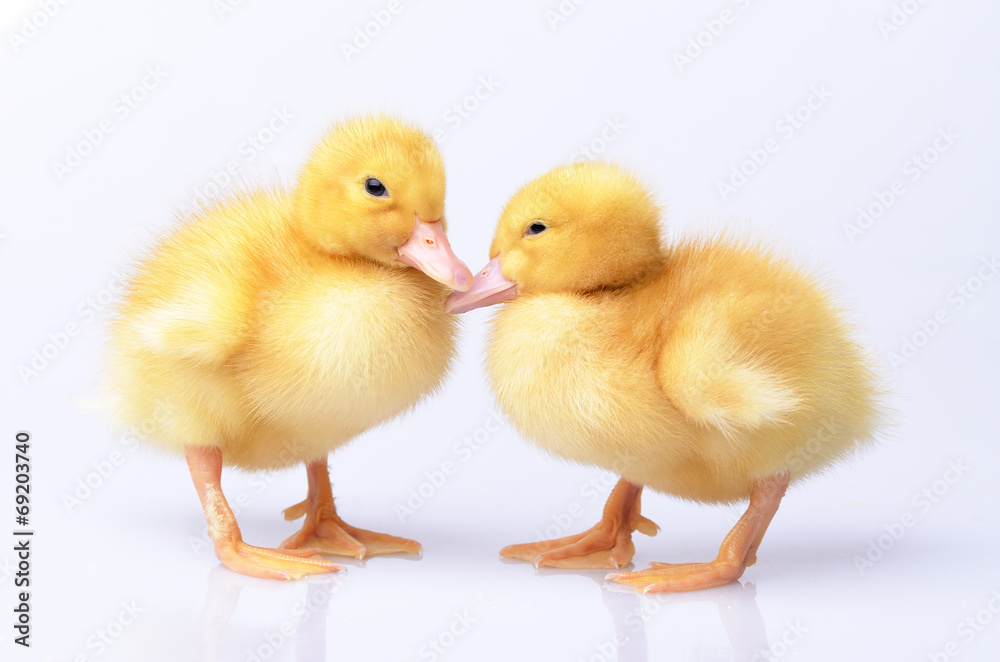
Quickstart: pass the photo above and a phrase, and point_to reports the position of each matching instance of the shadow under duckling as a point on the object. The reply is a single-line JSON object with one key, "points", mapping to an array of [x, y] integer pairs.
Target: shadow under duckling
{"points": [[279, 325], [710, 369]]}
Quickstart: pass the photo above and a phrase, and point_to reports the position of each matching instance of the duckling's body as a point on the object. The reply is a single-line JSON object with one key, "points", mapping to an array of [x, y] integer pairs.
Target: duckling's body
{"points": [[721, 368], [274, 327], [710, 370], [268, 350]]}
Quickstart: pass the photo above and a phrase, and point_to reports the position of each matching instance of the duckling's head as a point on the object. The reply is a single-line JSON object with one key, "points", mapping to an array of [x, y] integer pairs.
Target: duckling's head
{"points": [[374, 188], [578, 228]]}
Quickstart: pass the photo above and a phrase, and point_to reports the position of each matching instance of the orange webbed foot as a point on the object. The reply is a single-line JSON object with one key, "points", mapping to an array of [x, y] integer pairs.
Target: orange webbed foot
{"points": [[738, 551], [674, 578], [205, 464], [608, 544], [272, 563], [324, 530]]}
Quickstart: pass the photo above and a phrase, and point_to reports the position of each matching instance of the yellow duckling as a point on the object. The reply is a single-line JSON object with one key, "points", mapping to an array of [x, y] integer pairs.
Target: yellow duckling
{"points": [[710, 369], [277, 326]]}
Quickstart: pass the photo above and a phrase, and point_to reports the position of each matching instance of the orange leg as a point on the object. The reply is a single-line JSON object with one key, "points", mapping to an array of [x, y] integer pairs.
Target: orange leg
{"points": [[608, 544], [738, 551], [206, 472], [324, 530]]}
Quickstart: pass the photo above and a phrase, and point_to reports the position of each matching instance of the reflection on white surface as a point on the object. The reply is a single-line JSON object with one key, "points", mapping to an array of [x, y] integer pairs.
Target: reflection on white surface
{"points": [[310, 631], [628, 612], [306, 631], [221, 597], [459, 601]]}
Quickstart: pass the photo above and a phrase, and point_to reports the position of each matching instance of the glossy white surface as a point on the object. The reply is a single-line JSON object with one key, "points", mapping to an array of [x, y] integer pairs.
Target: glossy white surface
{"points": [[128, 560]]}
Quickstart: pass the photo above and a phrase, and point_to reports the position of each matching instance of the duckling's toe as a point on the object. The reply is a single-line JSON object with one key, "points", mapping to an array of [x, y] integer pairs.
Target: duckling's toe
{"points": [[293, 513], [675, 578], [738, 550], [377, 544], [595, 548], [329, 534], [271, 563], [325, 531], [608, 544], [325, 536]]}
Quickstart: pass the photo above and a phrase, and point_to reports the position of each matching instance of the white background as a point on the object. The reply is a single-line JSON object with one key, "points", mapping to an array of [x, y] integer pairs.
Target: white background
{"points": [[133, 539]]}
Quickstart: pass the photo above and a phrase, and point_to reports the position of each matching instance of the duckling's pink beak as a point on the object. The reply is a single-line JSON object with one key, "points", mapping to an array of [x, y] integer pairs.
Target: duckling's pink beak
{"points": [[488, 287], [428, 249]]}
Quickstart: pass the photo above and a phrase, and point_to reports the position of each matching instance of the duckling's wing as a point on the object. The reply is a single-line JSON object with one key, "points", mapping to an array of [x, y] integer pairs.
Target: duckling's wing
{"points": [[196, 296], [202, 317], [715, 379]]}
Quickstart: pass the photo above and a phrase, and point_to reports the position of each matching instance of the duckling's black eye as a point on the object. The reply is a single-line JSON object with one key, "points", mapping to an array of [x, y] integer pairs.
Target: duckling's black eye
{"points": [[535, 228], [376, 188]]}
